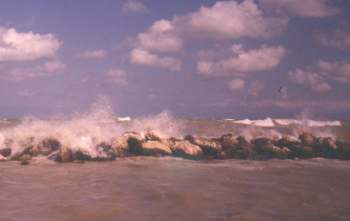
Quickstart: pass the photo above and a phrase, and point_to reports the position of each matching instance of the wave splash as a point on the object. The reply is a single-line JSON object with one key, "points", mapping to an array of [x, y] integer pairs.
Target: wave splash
{"points": [[99, 134]]}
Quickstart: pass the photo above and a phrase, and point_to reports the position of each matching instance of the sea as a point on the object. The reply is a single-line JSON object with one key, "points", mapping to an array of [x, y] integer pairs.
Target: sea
{"points": [[166, 188]]}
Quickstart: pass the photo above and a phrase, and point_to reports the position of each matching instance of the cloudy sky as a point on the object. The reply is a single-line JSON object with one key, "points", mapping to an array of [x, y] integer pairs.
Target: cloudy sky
{"points": [[194, 58]]}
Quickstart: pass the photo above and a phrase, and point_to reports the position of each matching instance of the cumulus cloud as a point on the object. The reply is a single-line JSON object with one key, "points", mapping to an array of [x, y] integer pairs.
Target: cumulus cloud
{"points": [[313, 80], [134, 6], [26, 46], [117, 76], [338, 38], [93, 54], [236, 84], [145, 58], [45, 69], [225, 20], [304, 8], [160, 37], [229, 20], [244, 61]]}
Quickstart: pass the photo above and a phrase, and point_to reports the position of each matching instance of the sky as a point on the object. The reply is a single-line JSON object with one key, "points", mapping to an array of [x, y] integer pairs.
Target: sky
{"points": [[193, 58]]}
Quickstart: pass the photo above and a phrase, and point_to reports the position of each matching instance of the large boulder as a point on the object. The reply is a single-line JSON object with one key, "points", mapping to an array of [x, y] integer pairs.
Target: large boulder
{"points": [[153, 135], [105, 152], [122, 147], [210, 147], [264, 148], [2, 158], [6, 152], [343, 150], [244, 149], [325, 147], [307, 139], [65, 154], [185, 149], [46, 147], [155, 148]]}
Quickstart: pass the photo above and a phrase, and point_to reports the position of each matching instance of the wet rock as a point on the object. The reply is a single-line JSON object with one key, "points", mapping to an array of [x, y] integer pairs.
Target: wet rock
{"points": [[54, 156], [154, 148], [24, 157], [228, 141], [189, 138], [65, 155], [302, 151], [325, 147], [210, 147], [186, 149], [244, 149], [105, 152], [343, 150], [47, 146], [135, 145], [264, 148], [81, 155], [153, 135], [2, 158], [281, 153], [6, 152], [307, 139]]}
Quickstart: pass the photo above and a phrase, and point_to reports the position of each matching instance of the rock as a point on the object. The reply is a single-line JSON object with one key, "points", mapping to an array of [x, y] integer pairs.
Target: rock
{"points": [[153, 148], [244, 149], [228, 141], [210, 147], [2, 158], [65, 155], [343, 150], [54, 156], [189, 138], [281, 153], [264, 147], [135, 146], [105, 152], [307, 139], [153, 135], [47, 146], [6, 152], [25, 157], [325, 147], [302, 151], [187, 150], [81, 155]]}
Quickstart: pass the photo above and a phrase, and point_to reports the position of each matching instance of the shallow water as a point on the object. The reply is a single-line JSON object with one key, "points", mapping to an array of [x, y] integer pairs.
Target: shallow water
{"points": [[174, 189]]}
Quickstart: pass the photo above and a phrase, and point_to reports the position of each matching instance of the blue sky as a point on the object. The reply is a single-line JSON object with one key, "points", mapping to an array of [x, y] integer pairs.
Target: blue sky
{"points": [[203, 59]]}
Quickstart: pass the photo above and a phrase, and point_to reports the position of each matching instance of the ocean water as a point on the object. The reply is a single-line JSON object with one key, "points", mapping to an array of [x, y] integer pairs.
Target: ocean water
{"points": [[148, 188], [173, 189]]}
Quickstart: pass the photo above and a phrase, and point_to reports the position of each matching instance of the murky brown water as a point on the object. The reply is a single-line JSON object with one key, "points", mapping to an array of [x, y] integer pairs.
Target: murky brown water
{"points": [[174, 189]]}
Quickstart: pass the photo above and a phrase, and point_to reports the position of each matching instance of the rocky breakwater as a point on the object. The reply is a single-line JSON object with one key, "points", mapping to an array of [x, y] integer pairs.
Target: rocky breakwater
{"points": [[151, 143]]}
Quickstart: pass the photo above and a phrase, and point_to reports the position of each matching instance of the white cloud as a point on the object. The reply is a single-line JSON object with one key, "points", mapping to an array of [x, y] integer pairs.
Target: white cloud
{"points": [[134, 6], [46, 69], [145, 58], [225, 20], [26, 46], [160, 37], [236, 84], [338, 38], [92, 54], [117, 77], [303, 8], [309, 79], [244, 61], [230, 20]]}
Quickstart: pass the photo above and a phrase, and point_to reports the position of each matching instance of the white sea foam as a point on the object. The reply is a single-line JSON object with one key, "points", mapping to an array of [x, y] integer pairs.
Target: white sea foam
{"points": [[269, 122]]}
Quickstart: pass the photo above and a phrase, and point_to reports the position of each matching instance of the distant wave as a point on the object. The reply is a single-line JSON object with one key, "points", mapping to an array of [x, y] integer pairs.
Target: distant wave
{"points": [[269, 122]]}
